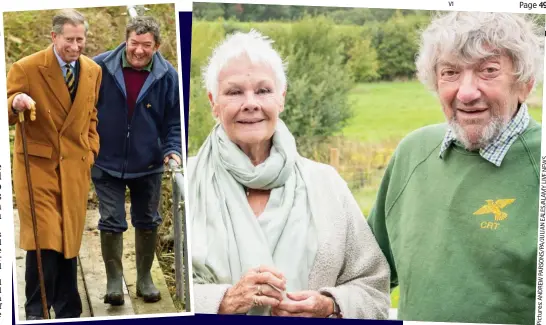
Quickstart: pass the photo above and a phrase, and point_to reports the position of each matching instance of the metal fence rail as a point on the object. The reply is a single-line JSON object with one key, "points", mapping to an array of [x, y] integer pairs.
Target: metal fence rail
{"points": [[181, 257]]}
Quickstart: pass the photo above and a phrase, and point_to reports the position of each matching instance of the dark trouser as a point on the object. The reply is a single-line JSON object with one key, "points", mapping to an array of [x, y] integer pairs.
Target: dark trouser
{"points": [[61, 285], [144, 192]]}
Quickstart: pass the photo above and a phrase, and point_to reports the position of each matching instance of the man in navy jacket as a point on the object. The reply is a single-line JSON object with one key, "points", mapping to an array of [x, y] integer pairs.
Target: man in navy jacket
{"points": [[139, 129]]}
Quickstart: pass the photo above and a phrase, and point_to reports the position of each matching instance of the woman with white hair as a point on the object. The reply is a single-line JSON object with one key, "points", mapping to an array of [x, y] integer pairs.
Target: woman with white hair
{"points": [[273, 233]]}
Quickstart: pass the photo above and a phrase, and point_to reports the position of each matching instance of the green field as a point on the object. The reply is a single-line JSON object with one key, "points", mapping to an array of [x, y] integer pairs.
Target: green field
{"points": [[390, 110], [393, 109], [385, 112]]}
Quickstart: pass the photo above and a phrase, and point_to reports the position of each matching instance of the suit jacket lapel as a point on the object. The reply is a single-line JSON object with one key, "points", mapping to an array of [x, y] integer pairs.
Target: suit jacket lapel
{"points": [[84, 83], [52, 72]]}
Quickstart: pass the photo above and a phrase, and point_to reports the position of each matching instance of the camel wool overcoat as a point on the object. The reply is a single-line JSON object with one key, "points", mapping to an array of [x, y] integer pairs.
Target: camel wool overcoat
{"points": [[62, 144]]}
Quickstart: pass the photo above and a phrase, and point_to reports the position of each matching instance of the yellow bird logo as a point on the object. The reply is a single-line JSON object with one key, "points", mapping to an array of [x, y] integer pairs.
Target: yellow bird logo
{"points": [[495, 208], [148, 105]]}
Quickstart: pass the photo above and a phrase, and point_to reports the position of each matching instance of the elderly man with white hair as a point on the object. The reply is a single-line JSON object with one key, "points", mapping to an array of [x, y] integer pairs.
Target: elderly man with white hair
{"points": [[456, 213], [273, 233]]}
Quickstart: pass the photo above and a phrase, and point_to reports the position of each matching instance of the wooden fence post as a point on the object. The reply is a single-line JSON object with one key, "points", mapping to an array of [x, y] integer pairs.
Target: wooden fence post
{"points": [[334, 158]]}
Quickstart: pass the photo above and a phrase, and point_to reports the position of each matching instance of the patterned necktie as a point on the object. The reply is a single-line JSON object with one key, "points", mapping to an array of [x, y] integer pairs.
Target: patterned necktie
{"points": [[70, 80]]}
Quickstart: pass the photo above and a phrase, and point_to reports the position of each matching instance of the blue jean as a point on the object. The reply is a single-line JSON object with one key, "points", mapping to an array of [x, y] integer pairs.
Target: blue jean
{"points": [[145, 193]]}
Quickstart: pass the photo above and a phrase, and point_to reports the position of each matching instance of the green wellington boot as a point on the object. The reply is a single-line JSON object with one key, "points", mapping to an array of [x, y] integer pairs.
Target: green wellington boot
{"points": [[112, 250], [145, 242]]}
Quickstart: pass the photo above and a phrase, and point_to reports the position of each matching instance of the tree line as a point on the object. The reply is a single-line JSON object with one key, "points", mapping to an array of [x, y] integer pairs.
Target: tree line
{"points": [[260, 13]]}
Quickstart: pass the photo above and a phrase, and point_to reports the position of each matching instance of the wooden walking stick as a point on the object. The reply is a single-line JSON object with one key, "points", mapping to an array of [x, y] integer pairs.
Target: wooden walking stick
{"points": [[32, 207]]}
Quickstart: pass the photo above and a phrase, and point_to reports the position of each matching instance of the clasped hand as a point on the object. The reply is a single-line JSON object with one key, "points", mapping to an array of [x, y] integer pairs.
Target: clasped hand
{"points": [[261, 286], [304, 304], [264, 286]]}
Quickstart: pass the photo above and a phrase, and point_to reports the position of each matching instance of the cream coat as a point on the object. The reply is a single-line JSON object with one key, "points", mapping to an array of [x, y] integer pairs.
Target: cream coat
{"points": [[62, 145], [349, 264]]}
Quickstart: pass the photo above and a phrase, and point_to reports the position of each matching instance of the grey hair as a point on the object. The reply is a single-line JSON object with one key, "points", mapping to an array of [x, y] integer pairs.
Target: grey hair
{"points": [[142, 25], [472, 36], [68, 16]]}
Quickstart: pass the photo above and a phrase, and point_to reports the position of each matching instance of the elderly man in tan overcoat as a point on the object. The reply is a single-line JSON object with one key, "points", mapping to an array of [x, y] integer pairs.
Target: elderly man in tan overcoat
{"points": [[62, 145]]}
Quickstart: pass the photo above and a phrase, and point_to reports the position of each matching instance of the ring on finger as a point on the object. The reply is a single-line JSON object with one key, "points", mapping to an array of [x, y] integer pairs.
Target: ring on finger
{"points": [[256, 301], [259, 290]]}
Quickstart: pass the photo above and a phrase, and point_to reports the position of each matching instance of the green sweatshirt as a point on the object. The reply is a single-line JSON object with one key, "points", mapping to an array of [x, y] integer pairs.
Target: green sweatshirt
{"points": [[460, 233]]}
